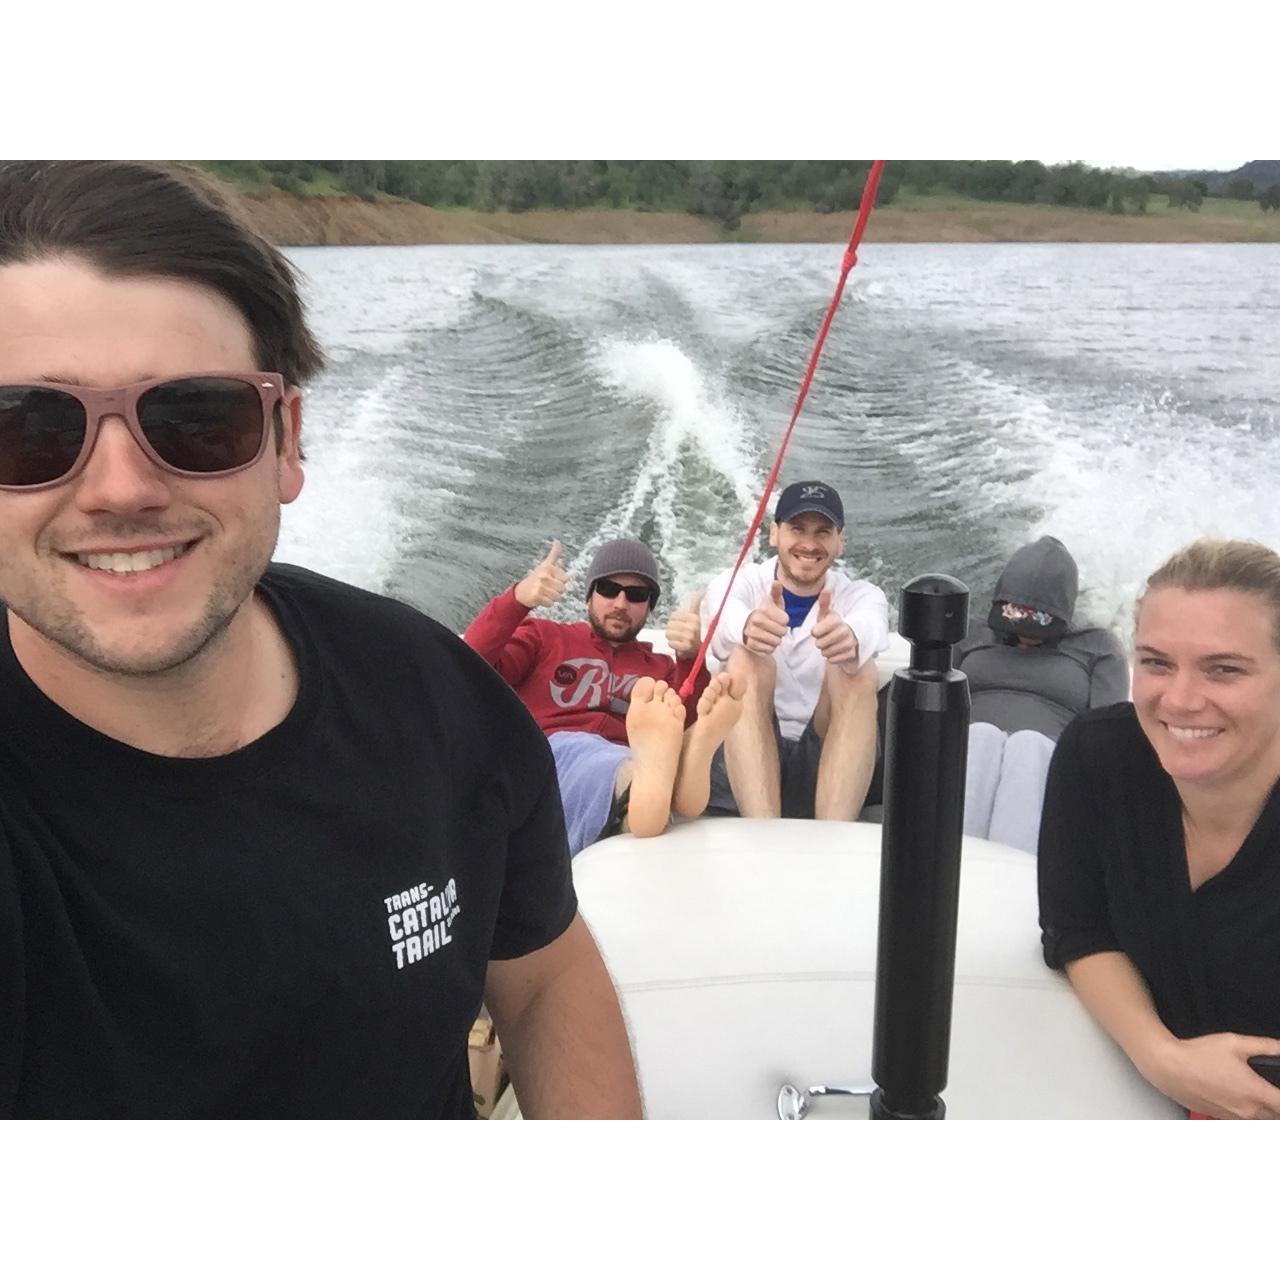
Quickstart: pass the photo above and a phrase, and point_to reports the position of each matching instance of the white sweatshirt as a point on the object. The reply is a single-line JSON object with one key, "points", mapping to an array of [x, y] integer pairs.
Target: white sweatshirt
{"points": [[801, 668]]}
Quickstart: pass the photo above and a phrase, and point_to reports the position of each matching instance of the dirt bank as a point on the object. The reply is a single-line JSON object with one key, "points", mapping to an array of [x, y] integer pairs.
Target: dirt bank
{"points": [[290, 220]]}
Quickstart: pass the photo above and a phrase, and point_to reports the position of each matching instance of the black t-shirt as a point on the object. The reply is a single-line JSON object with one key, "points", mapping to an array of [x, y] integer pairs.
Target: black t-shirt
{"points": [[1113, 877], [299, 928]]}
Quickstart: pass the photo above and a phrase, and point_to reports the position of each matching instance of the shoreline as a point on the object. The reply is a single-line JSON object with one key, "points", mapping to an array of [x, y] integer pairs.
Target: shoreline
{"points": [[347, 220]]}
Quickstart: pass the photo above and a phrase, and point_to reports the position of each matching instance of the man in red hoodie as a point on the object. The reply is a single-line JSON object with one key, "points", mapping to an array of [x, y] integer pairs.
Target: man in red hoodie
{"points": [[606, 701]]}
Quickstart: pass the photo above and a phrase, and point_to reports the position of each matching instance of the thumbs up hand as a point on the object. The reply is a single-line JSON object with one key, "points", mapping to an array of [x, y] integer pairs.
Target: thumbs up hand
{"points": [[767, 625], [833, 635], [684, 629], [544, 584]]}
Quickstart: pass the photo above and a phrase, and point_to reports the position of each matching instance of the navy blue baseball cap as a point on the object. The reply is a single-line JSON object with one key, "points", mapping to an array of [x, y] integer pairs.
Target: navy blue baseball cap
{"points": [[810, 495]]}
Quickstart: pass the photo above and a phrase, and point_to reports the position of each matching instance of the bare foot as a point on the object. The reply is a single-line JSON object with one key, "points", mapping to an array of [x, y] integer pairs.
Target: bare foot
{"points": [[718, 711], [655, 729]]}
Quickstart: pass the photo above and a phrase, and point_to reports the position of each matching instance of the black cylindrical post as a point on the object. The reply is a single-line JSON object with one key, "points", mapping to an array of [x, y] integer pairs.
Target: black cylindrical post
{"points": [[926, 744]]}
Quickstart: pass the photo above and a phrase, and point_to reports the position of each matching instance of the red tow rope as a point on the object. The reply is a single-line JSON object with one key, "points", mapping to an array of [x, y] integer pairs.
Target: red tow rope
{"points": [[847, 265]]}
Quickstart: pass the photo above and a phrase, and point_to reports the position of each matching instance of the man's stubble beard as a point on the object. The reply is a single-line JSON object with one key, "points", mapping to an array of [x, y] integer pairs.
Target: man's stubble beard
{"points": [[66, 629], [78, 642], [805, 588], [625, 638]]}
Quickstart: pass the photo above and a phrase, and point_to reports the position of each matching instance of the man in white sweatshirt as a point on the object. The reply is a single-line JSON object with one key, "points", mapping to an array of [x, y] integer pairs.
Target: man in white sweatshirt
{"points": [[802, 635]]}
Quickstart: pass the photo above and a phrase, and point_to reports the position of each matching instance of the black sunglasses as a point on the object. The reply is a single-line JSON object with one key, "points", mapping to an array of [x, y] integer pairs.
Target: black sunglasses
{"points": [[636, 595], [206, 424]]}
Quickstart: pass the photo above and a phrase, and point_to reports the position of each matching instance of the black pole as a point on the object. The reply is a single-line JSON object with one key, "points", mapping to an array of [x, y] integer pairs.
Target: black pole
{"points": [[926, 744]]}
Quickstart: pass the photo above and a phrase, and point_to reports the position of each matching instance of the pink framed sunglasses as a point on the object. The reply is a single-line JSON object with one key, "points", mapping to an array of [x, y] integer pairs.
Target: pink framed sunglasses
{"points": [[198, 425]]}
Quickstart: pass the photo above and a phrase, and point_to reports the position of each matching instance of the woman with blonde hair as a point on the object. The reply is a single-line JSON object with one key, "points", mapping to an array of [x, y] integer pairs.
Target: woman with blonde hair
{"points": [[1159, 858]]}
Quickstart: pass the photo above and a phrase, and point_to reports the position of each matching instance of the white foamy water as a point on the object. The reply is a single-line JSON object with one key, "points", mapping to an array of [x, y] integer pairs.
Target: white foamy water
{"points": [[353, 512], [482, 400], [695, 426]]}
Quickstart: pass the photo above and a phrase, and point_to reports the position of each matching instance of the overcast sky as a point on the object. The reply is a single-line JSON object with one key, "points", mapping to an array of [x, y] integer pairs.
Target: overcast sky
{"points": [[574, 79]]}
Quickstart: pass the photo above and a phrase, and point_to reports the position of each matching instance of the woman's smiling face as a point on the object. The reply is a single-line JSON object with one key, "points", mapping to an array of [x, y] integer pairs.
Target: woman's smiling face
{"points": [[1206, 683]]}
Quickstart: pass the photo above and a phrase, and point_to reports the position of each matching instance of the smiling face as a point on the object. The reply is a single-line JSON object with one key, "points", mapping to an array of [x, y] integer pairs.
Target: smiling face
{"points": [[618, 620], [128, 569], [1206, 684], [807, 546]]}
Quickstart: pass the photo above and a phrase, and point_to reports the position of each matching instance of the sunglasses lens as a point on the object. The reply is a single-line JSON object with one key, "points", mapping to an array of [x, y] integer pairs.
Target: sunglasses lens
{"points": [[204, 425], [609, 589], [41, 432]]}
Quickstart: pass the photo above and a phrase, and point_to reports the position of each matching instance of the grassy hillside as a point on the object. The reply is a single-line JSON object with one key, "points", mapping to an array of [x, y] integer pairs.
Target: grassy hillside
{"points": [[320, 212], [941, 218]]}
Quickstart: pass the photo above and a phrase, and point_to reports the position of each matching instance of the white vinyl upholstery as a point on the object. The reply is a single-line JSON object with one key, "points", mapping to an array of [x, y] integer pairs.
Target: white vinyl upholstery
{"points": [[744, 952]]}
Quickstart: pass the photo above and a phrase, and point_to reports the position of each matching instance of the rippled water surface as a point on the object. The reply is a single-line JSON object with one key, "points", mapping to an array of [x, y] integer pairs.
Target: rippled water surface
{"points": [[482, 400]]}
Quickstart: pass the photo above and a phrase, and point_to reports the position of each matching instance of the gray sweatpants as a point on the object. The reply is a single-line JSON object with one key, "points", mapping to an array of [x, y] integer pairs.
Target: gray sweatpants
{"points": [[1004, 785]]}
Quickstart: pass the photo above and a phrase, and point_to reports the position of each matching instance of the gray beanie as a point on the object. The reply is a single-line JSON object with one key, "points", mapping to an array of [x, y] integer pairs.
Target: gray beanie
{"points": [[624, 555]]}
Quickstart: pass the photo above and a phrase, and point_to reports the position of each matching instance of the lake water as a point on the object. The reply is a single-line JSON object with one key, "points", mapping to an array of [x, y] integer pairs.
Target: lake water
{"points": [[481, 400]]}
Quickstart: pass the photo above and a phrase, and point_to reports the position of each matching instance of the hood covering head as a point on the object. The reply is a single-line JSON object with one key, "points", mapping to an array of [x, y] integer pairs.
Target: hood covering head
{"points": [[1035, 596]]}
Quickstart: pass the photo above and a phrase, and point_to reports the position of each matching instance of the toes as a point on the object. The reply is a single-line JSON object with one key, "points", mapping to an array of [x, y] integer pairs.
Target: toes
{"points": [[643, 690], [721, 685]]}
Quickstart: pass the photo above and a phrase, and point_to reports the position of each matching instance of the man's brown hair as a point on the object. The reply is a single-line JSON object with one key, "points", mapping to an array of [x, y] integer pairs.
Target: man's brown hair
{"points": [[131, 218]]}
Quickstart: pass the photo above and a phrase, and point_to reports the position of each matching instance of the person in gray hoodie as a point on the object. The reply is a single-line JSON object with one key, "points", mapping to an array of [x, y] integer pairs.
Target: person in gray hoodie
{"points": [[1030, 674]]}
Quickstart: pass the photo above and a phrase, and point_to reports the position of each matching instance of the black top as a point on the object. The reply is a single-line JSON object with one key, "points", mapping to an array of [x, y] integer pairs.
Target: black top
{"points": [[299, 928], [1113, 877]]}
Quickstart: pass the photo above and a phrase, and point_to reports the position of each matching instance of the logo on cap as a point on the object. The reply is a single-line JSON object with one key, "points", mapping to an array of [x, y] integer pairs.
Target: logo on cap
{"points": [[810, 495]]}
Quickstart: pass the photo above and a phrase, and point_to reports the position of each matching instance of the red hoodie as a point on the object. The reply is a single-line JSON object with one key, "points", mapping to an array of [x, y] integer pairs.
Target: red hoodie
{"points": [[566, 675]]}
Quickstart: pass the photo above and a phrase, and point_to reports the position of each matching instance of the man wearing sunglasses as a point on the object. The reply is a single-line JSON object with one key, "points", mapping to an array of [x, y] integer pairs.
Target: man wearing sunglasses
{"points": [[607, 702], [800, 636], [266, 840]]}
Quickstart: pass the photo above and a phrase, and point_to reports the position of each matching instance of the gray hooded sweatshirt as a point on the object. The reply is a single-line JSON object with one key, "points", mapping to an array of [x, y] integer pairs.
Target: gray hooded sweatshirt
{"points": [[1041, 687]]}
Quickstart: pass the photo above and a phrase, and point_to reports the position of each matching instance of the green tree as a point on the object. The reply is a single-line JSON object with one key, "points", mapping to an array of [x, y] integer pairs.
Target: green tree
{"points": [[714, 194], [843, 194], [1027, 176], [1127, 193], [887, 191], [988, 179], [408, 179], [584, 182], [519, 185], [364, 178], [489, 185], [457, 184]]}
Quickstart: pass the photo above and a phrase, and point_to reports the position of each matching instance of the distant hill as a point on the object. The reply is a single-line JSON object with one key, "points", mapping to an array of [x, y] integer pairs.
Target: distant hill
{"points": [[1262, 173]]}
